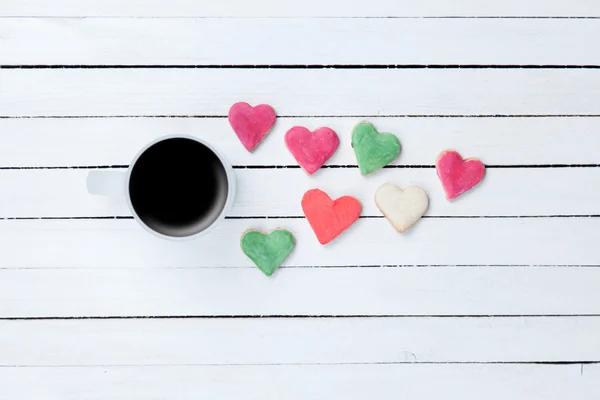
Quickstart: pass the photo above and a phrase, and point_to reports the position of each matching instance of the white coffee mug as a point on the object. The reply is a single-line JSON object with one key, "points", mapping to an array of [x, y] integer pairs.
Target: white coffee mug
{"points": [[177, 187]]}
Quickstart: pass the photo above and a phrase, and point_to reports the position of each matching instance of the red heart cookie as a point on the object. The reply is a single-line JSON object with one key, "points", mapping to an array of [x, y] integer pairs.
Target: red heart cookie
{"points": [[311, 149], [458, 175], [251, 124], [329, 218]]}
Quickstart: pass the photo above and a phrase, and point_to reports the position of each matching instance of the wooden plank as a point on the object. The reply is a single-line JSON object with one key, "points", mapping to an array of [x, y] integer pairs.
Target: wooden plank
{"points": [[122, 243], [62, 193], [308, 8], [300, 382], [109, 291], [156, 342], [110, 141], [85, 41], [322, 92]]}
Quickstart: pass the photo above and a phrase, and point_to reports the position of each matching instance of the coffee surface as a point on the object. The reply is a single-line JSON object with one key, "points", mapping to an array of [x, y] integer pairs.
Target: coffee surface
{"points": [[178, 187]]}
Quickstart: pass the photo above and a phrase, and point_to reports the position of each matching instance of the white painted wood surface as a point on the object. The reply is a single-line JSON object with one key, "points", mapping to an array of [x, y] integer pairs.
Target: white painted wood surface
{"points": [[493, 296], [298, 382], [63, 196], [120, 243], [308, 92], [300, 341], [299, 41], [307, 8], [374, 291], [497, 141]]}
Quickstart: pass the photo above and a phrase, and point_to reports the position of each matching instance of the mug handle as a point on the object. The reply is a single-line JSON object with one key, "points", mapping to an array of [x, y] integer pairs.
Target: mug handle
{"points": [[109, 183]]}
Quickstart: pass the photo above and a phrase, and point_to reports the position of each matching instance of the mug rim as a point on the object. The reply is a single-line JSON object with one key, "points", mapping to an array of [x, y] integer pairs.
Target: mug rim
{"points": [[230, 187]]}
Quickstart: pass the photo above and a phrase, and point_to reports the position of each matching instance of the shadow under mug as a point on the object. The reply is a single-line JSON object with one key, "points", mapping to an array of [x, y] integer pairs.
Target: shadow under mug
{"points": [[177, 187]]}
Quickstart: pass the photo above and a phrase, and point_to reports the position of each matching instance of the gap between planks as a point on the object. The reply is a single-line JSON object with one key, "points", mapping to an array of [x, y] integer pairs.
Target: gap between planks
{"points": [[300, 66], [315, 316], [207, 116], [492, 166], [417, 17], [254, 217], [568, 362]]}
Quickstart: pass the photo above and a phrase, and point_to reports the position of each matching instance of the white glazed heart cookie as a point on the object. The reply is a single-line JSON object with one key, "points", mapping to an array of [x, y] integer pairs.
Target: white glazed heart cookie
{"points": [[402, 207]]}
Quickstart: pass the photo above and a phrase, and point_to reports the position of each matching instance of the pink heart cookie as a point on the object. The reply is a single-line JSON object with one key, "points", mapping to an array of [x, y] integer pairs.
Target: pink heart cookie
{"points": [[311, 149], [458, 175], [251, 124]]}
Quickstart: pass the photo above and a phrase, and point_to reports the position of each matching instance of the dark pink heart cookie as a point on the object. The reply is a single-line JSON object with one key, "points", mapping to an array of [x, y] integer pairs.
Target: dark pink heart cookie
{"points": [[458, 175], [251, 124], [311, 149]]}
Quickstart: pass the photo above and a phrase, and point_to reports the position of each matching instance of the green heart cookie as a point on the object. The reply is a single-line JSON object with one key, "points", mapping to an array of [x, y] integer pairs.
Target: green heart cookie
{"points": [[268, 251], [373, 150]]}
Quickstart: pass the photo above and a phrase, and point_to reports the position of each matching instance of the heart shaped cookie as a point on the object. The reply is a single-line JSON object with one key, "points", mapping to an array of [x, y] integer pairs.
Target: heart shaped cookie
{"points": [[373, 150], [329, 218], [458, 175], [267, 251], [403, 208], [251, 124], [311, 149]]}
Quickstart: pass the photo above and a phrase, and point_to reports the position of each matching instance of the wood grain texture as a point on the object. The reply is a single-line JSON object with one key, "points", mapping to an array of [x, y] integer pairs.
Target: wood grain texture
{"points": [[123, 244], [299, 41], [278, 192], [477, 308], [171, 342], [323, 92], [496, 141], [106, 291], [308, 8]]}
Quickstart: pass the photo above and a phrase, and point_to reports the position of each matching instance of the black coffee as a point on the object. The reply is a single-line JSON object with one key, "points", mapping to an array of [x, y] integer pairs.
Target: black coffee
{"points": [[178, 187]]}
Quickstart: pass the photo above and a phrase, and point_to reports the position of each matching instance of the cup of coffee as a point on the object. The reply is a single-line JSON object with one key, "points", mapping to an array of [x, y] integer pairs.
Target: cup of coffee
{"points": [[177, 187]]}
